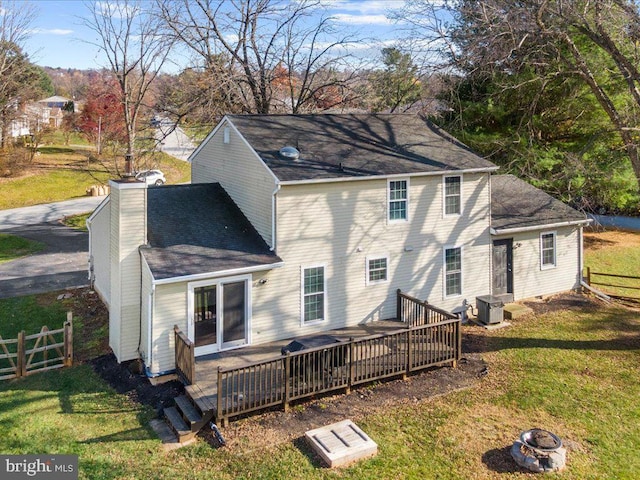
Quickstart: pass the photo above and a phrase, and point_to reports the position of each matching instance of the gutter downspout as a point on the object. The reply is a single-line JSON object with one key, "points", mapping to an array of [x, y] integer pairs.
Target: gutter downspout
{"points": [[90, 259], [580, 253], [273, 217]]}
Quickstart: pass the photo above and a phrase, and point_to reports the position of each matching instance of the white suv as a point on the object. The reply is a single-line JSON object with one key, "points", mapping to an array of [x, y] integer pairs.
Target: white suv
{"points": [[151, 177]]}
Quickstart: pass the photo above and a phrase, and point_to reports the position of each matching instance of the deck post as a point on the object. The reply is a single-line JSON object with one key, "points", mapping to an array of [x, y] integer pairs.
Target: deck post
{"points": [[352, 352], [458, 325], [589, 276], [287, 376], [219, 418], [409, 356], [399, 306]]}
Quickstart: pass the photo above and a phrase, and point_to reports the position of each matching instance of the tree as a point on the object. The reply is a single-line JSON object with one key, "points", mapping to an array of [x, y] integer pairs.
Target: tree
{"points": [[593, 40], [397, 85], [136, 50], [278, 52], [17, 77]]}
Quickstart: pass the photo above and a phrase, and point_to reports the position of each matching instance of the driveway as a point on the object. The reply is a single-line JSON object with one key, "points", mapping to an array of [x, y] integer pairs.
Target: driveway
{"points": [[174, 141], [62, 263]]}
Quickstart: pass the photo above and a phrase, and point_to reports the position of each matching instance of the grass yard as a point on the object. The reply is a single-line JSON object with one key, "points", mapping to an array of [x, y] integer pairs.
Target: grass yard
{"points": [[12, 247], [616, 252], [574, 372], [64, 172]]}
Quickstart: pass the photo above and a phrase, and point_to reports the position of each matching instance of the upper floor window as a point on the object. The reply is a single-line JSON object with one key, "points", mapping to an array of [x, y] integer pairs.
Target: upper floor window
{"points": [[547, 250], [452, 271], [376, 270], [453, 195], [225, 135], [398, 199], [313, 294]]}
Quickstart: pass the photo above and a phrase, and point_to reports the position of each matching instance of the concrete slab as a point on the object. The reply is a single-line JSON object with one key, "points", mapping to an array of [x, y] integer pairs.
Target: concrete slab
{"points": [[516, 310], [490, 326], [166, 435], [341, 443]]}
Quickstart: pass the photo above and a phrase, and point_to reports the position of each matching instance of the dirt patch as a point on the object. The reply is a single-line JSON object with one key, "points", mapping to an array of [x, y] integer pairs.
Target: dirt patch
{"points": [[564, 301], [610, 238], [275, 427], [127, 379]]}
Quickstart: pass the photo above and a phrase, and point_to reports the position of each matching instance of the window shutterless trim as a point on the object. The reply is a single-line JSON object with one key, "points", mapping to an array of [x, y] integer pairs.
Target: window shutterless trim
{"points": [[445, 196], [405, 200], [445, 272], [373, 258], [553, 248], [303, 295]]}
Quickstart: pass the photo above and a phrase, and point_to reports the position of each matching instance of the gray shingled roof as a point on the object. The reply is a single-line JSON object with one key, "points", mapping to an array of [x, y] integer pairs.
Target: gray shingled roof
{"points": [[354, 145], [517, 204], [194, 229]]}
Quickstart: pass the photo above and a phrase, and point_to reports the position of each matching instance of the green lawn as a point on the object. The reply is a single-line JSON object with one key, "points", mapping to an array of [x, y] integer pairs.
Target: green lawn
{"points": [[614, 252], [12, 247], [62, 172], [79, 222], [574, 372]]}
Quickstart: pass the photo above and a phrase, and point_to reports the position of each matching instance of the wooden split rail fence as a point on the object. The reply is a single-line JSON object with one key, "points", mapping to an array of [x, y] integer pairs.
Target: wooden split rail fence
{"points": [[38, 352], [617, 286]]}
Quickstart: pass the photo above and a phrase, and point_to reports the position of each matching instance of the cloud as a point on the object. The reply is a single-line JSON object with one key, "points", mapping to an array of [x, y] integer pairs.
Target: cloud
{"points": [[377, 19], [51, 31]]}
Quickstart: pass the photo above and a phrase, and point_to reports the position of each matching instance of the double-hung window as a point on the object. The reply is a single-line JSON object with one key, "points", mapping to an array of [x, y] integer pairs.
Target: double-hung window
{"points": [[398, 200], [547, 250], [377, 270], [313, 294], [453, 195], [452, 271]]}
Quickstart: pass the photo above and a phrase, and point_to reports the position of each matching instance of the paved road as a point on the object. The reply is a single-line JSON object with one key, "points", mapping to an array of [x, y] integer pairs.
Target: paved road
{"points": [[173, 141], [63, 262]]}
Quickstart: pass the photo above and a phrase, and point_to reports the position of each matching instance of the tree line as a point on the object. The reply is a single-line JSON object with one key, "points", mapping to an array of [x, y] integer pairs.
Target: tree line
{"points": [[548, 89]]}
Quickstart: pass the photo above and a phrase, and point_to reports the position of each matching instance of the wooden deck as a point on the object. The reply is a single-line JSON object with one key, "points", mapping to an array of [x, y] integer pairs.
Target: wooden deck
{"points": [[207, 366], [235, 382]]}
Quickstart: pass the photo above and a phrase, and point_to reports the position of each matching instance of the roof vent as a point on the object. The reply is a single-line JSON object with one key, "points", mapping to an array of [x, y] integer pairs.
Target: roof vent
{"points": [[290, 153]]}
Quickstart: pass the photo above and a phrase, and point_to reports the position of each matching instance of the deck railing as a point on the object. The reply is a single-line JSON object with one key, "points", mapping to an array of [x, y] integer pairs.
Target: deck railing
{"points": [[343, 365], [37, 352], [416, 312], [185, 357]]}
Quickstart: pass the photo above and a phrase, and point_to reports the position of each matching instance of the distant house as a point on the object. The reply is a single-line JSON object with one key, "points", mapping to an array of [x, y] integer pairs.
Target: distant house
{"points": [[295, 225]]}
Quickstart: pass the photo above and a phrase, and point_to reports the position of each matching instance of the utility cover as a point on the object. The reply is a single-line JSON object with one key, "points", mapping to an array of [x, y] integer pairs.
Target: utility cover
{"points": [[341, 443]]}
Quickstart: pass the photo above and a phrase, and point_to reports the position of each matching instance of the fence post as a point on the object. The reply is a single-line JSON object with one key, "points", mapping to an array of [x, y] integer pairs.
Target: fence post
{"points": [[399, 306], [21, 356], [589, 276], [68, 340]]}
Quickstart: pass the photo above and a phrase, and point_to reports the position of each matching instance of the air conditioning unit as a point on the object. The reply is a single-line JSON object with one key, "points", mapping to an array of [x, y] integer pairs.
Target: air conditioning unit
{"points": [[490, 309]]}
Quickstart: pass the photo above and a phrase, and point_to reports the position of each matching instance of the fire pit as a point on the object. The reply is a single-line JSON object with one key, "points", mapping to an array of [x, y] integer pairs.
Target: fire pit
{"points": [[539, 450]]}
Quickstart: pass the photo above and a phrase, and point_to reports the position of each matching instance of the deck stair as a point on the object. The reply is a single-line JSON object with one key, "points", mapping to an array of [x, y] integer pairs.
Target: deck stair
{"points": [[190, 413]]}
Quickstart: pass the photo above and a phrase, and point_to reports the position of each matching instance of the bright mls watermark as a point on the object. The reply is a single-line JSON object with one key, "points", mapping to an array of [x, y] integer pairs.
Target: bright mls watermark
{"points": [[51, 467]]}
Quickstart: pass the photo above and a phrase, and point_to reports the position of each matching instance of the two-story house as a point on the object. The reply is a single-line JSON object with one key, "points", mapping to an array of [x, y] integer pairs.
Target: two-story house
{"points": [[297, 224]]}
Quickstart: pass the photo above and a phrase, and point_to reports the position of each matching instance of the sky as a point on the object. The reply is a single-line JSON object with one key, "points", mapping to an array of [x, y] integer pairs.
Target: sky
{"points": [[59, 39]]}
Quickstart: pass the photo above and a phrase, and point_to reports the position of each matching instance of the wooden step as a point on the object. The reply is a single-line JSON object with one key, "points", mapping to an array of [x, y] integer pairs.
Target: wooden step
{"points": [[190, 413], [200, 399], [178, 425]]}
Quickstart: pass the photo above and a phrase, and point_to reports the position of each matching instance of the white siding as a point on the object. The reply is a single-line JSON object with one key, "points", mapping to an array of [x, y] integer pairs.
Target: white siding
{"points": [[170, 308], [245, 178], [128, 225], [529, 280], [100, 250], [146, 308], [341, 224]]}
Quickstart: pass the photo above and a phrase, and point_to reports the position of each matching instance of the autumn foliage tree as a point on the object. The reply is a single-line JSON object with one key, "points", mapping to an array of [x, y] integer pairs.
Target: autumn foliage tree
{"points": [[102, 118]]}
